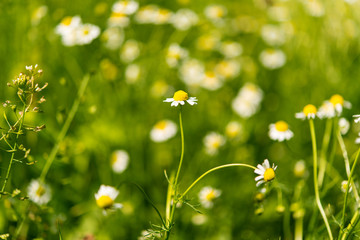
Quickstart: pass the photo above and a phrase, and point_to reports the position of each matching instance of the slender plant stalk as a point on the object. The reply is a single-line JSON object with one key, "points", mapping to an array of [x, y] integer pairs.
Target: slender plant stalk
{"points": [[347, 164], [316, 185], [355, 218], [324, 149], [65, 127], [14, 150], [299, 228]]}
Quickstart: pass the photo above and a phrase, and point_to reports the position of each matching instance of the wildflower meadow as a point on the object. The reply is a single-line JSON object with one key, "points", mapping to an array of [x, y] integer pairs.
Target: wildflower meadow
{"points": [[216, 120]]}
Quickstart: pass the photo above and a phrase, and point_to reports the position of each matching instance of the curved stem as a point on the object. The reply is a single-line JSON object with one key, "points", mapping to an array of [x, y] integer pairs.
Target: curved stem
{"points": [[212, 170], [316, 185], [65, 127], [355, 217]]}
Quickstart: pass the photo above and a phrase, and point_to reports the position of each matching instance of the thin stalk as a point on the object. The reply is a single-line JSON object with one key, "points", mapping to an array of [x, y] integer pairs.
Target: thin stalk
{"points": [[65, 127], [13, 148], [212, 170], [347, 163], [354, 221], [351, 224], [316, 185], [182, 151], [324, 149], [299, 228]]}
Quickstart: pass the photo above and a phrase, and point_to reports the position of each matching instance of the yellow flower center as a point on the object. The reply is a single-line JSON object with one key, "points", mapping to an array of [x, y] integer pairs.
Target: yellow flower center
{"points": [[210, 196], [281, 126], [117, 15], [66, 21], [40, 191], [161, 125], [309, 109], [181, 96], [337, 99], [269, 174], [86, 31], [104, 201]]}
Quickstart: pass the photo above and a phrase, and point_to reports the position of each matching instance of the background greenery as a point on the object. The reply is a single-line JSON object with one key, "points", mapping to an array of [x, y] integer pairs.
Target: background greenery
{"points": [[322, 59]]}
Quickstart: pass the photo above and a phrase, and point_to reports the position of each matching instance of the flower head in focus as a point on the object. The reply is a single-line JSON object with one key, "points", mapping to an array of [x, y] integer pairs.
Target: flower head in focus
{"points": [[265, 171], [180, 97], [105, 198], [280, 131], [309, 111]]}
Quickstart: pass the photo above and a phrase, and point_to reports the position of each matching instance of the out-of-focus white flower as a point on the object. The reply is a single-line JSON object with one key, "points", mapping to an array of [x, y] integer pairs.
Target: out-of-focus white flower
{"points": [[314, 8], [248, 100], [163, 131], [199, 219], [233, 129], [67, 30], [125, 7], [162, 16], [228, 68], [231, 49], [272, 58], [344, 126], [339, 102], [309, 111], [192, 72], [280, 131], [211, 81], [207, 195], [265, 171], [118, 20], [119, 161], [184, 19], [215, 12], [149, 234], [132, 73], [350, 1], [180, 97], [147, 14], [213, 141], [39, 192], [130, 51], [113, 38], [300, 168], [344, 185], [326, 110], [174, 54], [86, 33], [273, 35], [105, 198], [209, 41]]}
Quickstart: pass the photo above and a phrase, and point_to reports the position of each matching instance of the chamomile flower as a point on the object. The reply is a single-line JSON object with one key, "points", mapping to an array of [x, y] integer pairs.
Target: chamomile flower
{"points": [[192, 72], [86, 33], [67, 30], [233, 129], [130, 51], [230, 49], [215, 13], [211, 81], [326, 110], [248, 100], [228, 68], [344, 185], [105, 198], [309, 111], [118, 20], [300, 169], [273, 35], [207, 195], [280, 131], [272, 58], [163, 131], [119, 161], [344, 125], [132, 73], [113, 37], [180, 97], [184, 19], [338, 102], [314, 8], [127, 7], [39, 192], [213, 141], [265, 171], [174, 54]]}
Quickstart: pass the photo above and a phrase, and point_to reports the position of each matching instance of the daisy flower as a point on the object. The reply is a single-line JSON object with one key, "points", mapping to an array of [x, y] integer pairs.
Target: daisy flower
{"points": [[125, 7], [207, 195], [272, 58], [338, 102], [163, 130], [119, 161], [344, 186], [213, 141], [326, 110], [280, 131], [39, 193], [309, 111], [105, 198], [344, 126], [180, 97], [265, 172], [86, 33]]}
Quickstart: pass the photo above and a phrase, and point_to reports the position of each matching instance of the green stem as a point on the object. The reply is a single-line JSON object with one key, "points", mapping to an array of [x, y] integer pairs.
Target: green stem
{"points": [[212, 170], [324, 149], [182, 151], [65, 127], [299, 228], [316, 185], [354, 221], [351, 225], [14, 148]]}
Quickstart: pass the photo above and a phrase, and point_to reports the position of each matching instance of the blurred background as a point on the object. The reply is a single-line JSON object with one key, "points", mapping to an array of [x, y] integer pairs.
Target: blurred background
{"points": [[249, 63]]}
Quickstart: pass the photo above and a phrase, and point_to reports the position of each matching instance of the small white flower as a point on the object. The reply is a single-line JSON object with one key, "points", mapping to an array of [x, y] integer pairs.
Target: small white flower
{"points": [[213, 141], [67, 30], [272, 58], [327, 110], [174, 54], [126, 7], [265, 172], [339, 102], [179, 98], [105, 198], [211, 81], [113, 37], [231, 49], [300, 168], [163, 130], [207, 195], [86, 33], [147, 14], [309, 111], [273, 35], [344, 185], [215, 13], [130, 51], [314, 8], [184, 19], [132, 73], [248, 100], [192, 72], [344, 125], [228, 68], [119, 161], [39, 192], [233, 129], [199, 219], [118, 20], [280, 131]]}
